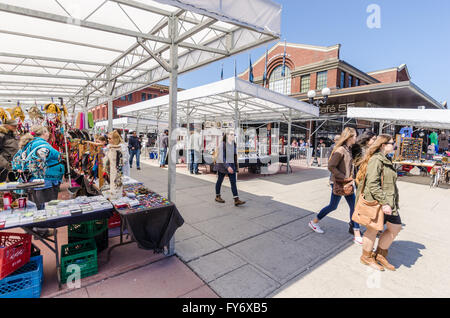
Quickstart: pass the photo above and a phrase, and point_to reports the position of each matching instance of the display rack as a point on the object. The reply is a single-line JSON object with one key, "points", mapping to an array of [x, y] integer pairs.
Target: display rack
{"points": [[411, 149]]}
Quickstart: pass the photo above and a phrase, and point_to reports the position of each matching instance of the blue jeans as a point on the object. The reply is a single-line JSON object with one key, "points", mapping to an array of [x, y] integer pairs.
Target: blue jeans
{"points": [[334, 202], [232, 178], [137, 153], [162, 159], [193, 161]]}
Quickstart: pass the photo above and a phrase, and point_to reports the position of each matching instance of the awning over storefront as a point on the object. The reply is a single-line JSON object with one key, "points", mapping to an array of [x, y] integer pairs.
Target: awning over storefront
{"points": [[424, 118], [224, 100]]}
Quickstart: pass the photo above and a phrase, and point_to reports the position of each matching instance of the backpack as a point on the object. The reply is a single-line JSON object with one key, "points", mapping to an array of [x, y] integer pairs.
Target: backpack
{"points": [[27, 160]]}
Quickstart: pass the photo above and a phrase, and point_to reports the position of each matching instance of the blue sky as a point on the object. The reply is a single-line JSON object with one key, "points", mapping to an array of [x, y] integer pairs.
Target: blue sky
{"points": [[413, 32]]}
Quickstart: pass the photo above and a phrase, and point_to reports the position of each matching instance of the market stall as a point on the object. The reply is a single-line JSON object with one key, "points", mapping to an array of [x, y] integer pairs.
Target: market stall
{"points": [[223, 105], [61, 50], [409, 152]]}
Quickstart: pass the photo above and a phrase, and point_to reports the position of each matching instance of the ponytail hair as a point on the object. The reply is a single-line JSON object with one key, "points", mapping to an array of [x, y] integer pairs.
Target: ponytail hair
{"points": [[35, 131], [364, 162]]}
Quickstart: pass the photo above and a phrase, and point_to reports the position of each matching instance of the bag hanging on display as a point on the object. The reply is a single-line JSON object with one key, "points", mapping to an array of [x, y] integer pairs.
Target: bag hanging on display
{"points": [[369, 213]]}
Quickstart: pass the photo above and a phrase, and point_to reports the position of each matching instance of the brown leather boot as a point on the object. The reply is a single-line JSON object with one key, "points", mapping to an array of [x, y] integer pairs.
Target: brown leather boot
{"points": [[238, 202], [367, 258], [219, 199], [380, 257]]}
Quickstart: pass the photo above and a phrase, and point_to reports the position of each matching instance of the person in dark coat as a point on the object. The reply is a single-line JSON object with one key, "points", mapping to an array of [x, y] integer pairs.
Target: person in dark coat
{"points": [[227, 165], [134, 145], [9, 146]]}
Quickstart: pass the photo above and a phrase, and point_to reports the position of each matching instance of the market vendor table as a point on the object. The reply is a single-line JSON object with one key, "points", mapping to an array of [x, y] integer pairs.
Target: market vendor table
{"points": [[60, 222], [151, 228]]}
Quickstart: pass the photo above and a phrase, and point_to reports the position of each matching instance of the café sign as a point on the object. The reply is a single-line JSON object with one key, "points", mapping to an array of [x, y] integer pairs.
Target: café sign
{"points": [[335, 109]]}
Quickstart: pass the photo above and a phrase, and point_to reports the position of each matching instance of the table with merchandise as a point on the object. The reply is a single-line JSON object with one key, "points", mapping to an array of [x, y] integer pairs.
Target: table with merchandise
{"points": [[150, 218], [55, 215]]}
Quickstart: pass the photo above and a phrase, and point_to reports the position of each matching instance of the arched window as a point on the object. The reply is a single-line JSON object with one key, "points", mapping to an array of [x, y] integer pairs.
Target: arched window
{"points": [[279, 83]]}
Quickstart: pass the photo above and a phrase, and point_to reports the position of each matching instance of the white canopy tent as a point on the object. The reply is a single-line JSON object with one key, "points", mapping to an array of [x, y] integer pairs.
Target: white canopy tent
{"points": [[93, 51], [424, 118], [133, 123], [231, 98], [224, 100]]}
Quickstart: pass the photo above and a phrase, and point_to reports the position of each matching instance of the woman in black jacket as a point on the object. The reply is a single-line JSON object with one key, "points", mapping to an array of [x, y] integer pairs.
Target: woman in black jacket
{"points": [[226, 164]]}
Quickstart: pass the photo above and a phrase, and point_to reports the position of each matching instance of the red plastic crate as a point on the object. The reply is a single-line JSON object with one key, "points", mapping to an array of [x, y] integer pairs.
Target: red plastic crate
{"points": [[114, 221], [15, 250]]}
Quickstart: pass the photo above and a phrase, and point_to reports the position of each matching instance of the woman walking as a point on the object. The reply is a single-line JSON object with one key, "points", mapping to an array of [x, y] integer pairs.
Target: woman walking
{"points": [[226, 164], [363, 143], [341, 168], [378, 177]]}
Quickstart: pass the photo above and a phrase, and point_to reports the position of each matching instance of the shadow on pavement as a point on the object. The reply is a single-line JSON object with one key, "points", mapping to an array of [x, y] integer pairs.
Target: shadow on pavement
{"points": [[405, 253]]}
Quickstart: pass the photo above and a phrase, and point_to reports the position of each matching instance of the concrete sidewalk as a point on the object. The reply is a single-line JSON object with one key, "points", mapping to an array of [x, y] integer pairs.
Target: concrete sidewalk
{"points": [[265, 248]]}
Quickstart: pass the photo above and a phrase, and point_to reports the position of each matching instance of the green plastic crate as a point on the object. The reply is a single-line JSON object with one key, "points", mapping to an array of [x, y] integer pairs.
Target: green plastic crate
{"points": [[83, 254], [88, 230]]}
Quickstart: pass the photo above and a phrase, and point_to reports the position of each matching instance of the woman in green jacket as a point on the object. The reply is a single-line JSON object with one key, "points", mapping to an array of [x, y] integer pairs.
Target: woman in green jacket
{"points": [[378, 177]]}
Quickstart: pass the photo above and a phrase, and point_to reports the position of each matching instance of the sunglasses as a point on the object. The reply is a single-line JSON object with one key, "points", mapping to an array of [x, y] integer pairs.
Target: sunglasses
{"points": [[389, 143]]}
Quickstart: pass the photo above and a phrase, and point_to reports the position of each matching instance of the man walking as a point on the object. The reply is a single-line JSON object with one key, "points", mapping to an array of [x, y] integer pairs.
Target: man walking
{"points": [[8, 147], [163, 145], [135, 150], [194, 152]]}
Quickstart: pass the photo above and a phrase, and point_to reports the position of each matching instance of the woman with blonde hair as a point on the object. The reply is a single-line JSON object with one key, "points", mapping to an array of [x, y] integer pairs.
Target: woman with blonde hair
{"points": [[340, 165], [378, 177], [41, 161]]}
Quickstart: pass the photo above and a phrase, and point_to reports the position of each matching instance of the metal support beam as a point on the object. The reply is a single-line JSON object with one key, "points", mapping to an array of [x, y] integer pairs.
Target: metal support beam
{"points": [[110, 101], [173, 97], [80, 23], [289, 140]]}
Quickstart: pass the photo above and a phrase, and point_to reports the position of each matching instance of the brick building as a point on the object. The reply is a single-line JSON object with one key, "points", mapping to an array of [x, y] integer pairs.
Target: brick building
{"points": [[315, 67], [101, 112]]}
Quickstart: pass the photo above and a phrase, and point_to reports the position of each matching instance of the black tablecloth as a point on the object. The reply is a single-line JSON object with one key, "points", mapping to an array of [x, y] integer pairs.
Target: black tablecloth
{"points": [[152, 229], [64, 221]]}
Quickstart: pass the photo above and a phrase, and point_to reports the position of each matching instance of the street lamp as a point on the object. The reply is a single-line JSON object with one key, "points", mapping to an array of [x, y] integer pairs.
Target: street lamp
{"points": [[311, 96]]}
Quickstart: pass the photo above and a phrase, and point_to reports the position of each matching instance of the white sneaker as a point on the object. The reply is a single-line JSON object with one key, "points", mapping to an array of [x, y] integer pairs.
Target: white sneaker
{"points": [[315, 227], [358, 240]]}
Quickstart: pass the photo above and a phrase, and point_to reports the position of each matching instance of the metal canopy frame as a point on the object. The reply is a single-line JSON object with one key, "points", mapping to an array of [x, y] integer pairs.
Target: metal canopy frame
{"points": [[134, 54], [106, 49]]}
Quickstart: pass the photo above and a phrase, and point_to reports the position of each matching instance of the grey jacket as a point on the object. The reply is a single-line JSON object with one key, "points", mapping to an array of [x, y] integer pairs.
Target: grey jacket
{"points": [[164, 142]]}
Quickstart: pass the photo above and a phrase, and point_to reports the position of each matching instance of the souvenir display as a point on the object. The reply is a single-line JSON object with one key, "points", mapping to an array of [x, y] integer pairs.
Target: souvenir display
{"points": [[411, 149]]}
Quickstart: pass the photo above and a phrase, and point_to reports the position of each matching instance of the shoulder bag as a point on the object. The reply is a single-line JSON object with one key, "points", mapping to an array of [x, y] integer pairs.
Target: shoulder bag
{"points": [[369, 213], [342, 187]]}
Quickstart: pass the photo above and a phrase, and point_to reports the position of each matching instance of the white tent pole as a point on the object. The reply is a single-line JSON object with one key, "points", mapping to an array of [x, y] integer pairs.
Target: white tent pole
{"points": [[188, 136], [236, 128], [157, 134], [110, 101], [173, 95], [289, 140], [65, 144]]}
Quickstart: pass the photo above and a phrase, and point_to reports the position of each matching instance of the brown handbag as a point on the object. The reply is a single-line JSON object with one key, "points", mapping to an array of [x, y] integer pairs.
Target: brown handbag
{"points": [[342, 188], [368, 213]]}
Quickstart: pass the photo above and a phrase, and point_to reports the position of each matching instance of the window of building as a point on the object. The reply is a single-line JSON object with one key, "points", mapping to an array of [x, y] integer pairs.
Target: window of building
{"points": [[305, 83], [149, 96], [350, 81], [123, 98], [143, 96], [357, 82], [342, 82], [130, 97], [279, 83], [322, 78]]}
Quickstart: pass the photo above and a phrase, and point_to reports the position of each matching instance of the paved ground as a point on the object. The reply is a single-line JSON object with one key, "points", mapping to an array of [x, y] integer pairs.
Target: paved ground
{"points": [[265, 249]]}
